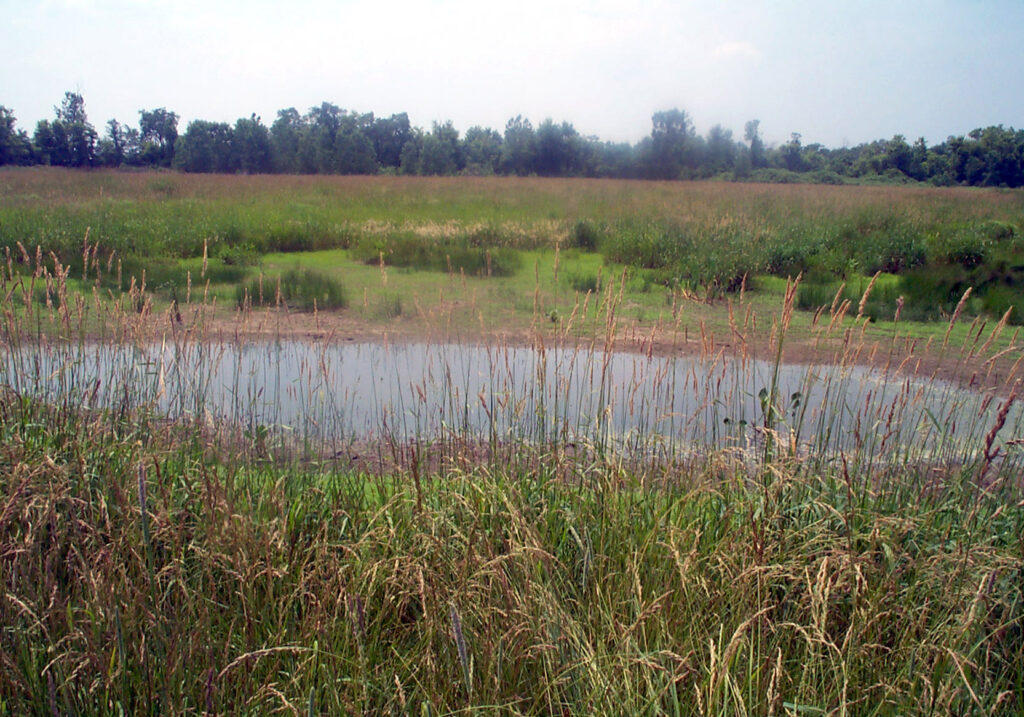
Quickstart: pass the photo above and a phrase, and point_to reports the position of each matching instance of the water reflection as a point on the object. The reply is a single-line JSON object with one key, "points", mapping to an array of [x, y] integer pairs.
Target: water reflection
{"points": [[338, 392]]}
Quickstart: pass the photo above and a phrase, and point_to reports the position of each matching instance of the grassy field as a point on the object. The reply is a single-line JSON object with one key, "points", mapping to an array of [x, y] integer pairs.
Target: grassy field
{"points": [[199, 565], [420, 247]]}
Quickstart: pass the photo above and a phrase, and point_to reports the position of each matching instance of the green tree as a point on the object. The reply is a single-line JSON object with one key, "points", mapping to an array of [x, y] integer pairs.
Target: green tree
{"points": [[411, 151], [518, 150], [751, 133], [251, 146], [158, 130], [319, 149], [481, 148], [721, 150], [389, 136], [665, 153], [50, 143], [441, 153], [286, 137], [898, 155], [68, 141], [205, 147], [15, 146], [558, 151], [615, 159], [790, 153], [110, 150], [353, 151]]}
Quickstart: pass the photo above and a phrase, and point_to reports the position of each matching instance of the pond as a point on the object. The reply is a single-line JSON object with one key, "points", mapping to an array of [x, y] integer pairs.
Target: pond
{"points": [[337, 392]]}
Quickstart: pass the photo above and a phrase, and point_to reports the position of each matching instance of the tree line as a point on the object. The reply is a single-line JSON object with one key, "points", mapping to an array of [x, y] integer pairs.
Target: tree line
{"points": [[330, 140]]}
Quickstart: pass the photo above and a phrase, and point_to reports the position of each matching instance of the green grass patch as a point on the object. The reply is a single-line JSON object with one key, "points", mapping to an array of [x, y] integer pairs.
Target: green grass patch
{"points": [[303, 289]]}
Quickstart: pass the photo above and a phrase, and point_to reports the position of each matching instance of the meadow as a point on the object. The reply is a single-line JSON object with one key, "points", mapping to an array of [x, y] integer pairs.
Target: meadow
{"points": [[388, 242], [164, 552]]}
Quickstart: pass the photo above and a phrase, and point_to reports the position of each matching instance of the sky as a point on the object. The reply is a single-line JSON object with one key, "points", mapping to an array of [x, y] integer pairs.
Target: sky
{"points": [[839, 72]]}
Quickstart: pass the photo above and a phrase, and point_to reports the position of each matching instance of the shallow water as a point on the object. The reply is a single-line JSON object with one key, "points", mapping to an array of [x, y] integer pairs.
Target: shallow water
{"points": [[356, 391]]}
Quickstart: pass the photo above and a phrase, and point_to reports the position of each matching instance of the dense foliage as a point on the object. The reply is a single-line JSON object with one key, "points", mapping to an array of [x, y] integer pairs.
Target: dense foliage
{"points": [[330, 140]]}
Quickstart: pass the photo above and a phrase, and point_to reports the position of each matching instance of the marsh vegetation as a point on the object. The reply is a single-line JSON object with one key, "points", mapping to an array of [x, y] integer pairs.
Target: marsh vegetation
{"points": [[199, 516]]}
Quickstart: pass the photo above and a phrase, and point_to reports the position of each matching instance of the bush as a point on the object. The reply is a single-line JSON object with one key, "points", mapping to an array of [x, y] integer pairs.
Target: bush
{"points": [[584, 282], [998, 231], [166, 276], [414, 252], [302, 289], [881, 304], [585, 235], [966, 247]]}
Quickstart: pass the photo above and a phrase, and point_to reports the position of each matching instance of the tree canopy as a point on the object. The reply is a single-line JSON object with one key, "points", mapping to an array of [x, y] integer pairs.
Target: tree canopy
{"points": [[328, 139]]}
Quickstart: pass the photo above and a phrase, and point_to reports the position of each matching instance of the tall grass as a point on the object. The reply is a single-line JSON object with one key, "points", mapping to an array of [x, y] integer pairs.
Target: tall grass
{"points": [[522, 529]]}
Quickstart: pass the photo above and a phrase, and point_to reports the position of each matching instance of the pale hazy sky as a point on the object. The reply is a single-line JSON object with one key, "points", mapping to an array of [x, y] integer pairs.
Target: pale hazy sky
{"points": [[839, 72]]}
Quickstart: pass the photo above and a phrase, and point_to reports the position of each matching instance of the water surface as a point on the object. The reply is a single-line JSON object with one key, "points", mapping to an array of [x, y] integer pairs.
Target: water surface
{"points": [[352, 391]]}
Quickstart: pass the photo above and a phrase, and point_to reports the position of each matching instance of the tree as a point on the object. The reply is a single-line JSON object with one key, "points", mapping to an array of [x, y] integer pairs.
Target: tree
{"points": [[250, 146], [752, 136], [671, 132], [68, 141], [286, 135], [481, 148], [721, 150], [50, 142], [15, 146], [518, 151], [440, 152], [205, 147], [353, 151], [110, 151], [159, 131], [411, 151], [898, 155], [790, 153], [389, 135], [616, 159], [557, 150]]}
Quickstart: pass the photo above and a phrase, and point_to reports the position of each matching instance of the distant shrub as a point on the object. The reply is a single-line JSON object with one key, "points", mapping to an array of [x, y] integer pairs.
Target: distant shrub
{"points": [[301, 289], [826, 176], [165, 275], [239, 255], [773, 175], [874, 240], [584, 282], [710, 259], [648, 245], [881, 303], [998, 231], [415, 252], [967, 247], [789, 256], [997, 299], [585, 235], [996, 286]]}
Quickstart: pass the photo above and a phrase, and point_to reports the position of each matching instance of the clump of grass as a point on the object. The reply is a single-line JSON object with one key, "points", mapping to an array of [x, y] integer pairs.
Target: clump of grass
{"points": [[302, 289], [712, 259], [583, 282], [426, 254], [390, 306]]}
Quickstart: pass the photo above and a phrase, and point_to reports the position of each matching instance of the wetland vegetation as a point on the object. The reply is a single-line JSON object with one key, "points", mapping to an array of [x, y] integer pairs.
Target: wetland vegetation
{"points": [[499, 537]]}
